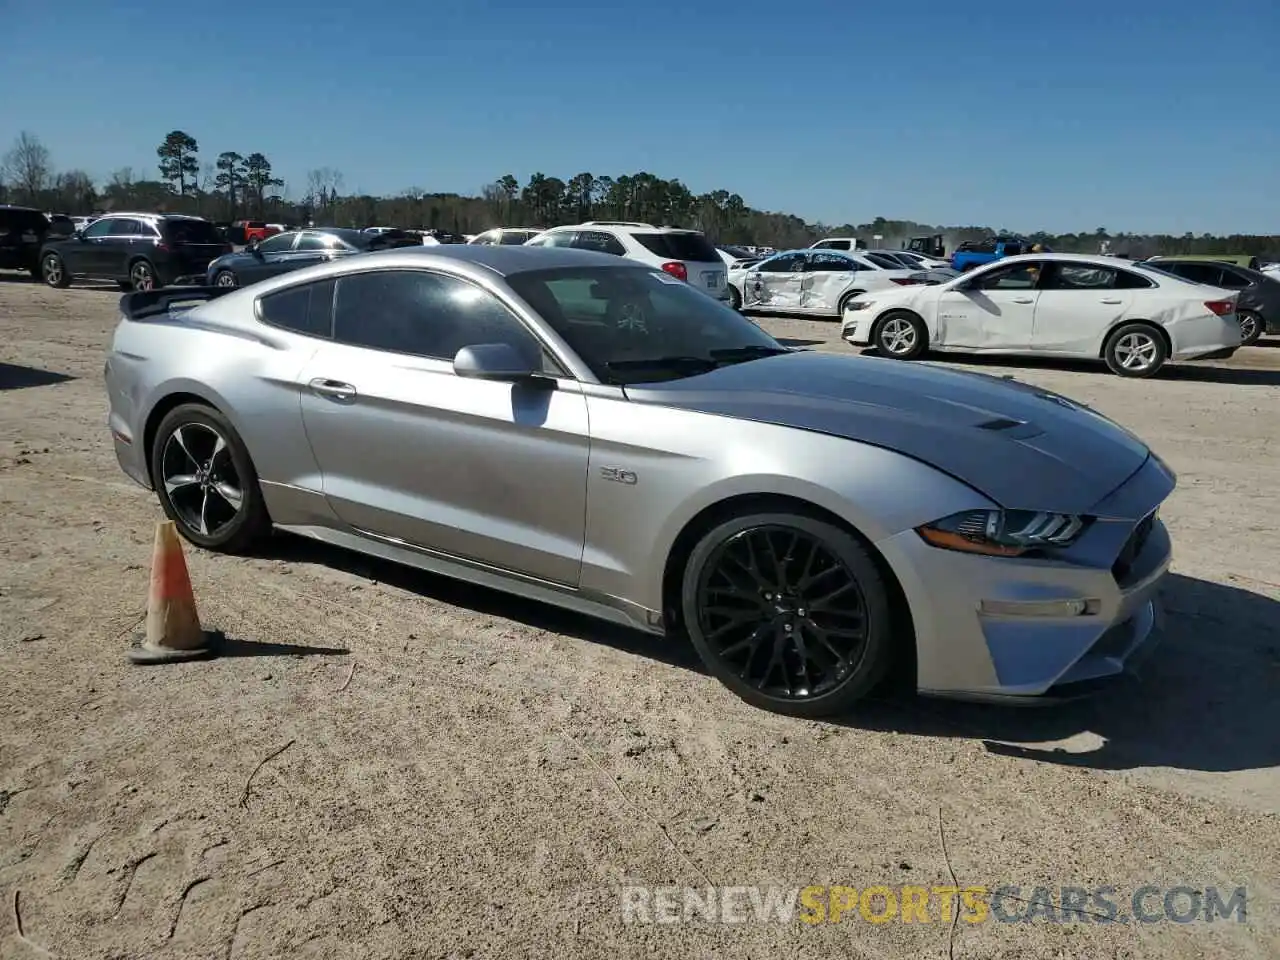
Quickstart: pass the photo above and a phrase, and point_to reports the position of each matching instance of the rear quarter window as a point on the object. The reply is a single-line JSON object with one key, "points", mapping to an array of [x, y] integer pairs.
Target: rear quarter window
{"points": [[192, 231], [307, 309], [693, 247]]}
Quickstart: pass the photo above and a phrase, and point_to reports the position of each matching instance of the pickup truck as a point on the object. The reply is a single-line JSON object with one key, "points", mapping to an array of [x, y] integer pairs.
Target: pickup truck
{"points": [[975, 253]]}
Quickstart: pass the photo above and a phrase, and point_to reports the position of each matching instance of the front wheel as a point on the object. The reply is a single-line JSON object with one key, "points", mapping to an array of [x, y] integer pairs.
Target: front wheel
{"points": [[1135, 350], [225, 278], [54, 271], [901, 335], [1251, 327], [206, 481], [789, 612]]}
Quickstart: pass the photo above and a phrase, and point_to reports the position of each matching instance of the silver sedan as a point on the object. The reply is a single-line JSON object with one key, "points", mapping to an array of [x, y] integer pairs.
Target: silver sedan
{"points": [[595, 434]]}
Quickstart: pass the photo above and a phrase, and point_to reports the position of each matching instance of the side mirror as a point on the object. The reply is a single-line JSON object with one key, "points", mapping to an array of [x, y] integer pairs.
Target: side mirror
{"points": [[493, 361]]}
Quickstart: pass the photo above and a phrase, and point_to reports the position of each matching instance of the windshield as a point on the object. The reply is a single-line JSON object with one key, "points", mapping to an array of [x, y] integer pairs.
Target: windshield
{"points": [[633, 325]]}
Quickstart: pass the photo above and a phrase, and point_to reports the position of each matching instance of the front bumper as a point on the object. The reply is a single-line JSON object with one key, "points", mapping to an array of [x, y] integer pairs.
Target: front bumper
{"points": [[995, 628]]}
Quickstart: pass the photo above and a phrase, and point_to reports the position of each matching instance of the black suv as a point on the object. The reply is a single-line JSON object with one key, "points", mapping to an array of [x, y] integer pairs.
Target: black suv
{"points": [[139, 251], [22, 231]]}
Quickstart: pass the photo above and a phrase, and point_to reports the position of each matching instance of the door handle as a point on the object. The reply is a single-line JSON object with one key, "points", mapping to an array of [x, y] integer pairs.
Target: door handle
{"points": [[334, 390], [1023, 300], [1111, 300]]}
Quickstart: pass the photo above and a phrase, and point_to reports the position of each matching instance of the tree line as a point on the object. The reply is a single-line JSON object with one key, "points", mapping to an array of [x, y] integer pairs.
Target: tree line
{"points": [[236, 185]]}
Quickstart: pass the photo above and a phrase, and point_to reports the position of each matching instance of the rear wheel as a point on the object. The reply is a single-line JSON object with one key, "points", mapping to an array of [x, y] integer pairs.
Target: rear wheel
{"points": [[789, 612], [735, 298], [142, 276], [1135, 350], [206, 481], [900, 335], [1251, 327]]}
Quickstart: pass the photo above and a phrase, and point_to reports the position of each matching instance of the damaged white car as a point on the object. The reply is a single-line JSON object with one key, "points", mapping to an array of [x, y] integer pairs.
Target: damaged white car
{"points": [[1054, 304], [820, 282]]}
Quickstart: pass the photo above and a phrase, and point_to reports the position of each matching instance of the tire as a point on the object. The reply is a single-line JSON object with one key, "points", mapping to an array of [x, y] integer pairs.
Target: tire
{"points": [[1252, 327], [900, 335], [844, 302], [735, 298], [54, 271], [210, 480], [1141, 337], [715, 567], [142, 276], [225, 278]]}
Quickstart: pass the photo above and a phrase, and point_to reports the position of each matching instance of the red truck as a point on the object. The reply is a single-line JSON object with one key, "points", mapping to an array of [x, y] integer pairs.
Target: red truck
{"points": [[252, 229]]}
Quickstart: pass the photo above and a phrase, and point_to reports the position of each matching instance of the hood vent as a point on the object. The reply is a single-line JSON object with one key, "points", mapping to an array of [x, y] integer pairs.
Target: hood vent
{"points": [[999, 424]]}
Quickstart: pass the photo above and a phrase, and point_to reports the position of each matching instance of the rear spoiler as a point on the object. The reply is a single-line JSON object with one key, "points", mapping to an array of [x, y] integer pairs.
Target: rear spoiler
{"points": [[145, 304]]}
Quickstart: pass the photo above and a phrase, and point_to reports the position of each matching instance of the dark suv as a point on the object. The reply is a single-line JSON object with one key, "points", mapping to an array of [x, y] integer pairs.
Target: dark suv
{"points": [[139, 251], [22, 231]]}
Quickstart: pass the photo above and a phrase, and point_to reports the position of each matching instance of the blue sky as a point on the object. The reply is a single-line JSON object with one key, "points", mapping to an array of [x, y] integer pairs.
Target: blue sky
{"points": [[1145, 117]]}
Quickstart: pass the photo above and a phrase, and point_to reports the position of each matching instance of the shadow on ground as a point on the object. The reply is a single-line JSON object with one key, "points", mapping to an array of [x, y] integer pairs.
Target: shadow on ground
{"points": [[1186, 372], [16, 377], [1206, 699], [796, 343]]}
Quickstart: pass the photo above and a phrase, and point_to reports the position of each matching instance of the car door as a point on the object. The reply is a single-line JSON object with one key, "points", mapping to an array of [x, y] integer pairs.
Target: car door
{"points": [[775, 284], [487, 471], [1078, 303], [89, 257], [268, 259], [119, 248], [311, 248], [992, 310], [826, 277]]}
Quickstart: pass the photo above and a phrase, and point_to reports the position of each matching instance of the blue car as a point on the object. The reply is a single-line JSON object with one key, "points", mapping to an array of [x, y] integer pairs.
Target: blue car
{"points": [[975, 253]]}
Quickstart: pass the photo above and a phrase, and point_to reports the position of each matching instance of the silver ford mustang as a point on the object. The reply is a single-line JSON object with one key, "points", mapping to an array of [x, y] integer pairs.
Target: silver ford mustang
{"points": [[595, 434]]}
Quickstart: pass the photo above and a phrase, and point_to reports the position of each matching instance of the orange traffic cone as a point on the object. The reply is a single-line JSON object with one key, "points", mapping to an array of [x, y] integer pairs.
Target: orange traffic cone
{"points": [[173, 626]]}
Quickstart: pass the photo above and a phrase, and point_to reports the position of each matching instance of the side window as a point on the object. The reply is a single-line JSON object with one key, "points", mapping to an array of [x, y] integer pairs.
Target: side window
{"points": [[278, 243], [1233, 281], [563, 238], [832, 245], [983, 246], [423, 314], [1081, 276], [102, 228], [487, 239], [600, 242], [787, 263], [127, 228], [829, 263], [1012, 249], [886, 263], [1023, 276], [307, 309], [1132, 281], [1195, 272], [311, 241]]}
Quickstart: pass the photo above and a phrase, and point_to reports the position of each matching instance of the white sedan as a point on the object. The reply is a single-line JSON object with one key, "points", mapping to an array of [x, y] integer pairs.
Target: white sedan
{"points": [[1085, 307], [812, 281]]}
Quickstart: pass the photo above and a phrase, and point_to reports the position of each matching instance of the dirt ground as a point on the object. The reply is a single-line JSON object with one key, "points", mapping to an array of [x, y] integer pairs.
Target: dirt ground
{"points": [[452, 773]]}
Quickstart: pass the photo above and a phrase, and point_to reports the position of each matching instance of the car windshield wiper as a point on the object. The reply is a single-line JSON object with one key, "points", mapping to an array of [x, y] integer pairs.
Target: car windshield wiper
{"points": [[752, 352]]}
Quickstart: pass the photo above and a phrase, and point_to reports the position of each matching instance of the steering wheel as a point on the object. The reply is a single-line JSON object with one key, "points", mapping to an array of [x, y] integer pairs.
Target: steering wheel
{"points": [[629, 315]]}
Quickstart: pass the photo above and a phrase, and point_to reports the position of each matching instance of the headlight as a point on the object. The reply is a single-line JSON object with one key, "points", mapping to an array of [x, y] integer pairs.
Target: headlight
{"points": [[1003, 533], [857, 305]]}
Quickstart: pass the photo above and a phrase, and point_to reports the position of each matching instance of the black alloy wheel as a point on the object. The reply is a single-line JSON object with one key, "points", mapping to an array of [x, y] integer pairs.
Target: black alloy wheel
{"points": [[789, 612]]}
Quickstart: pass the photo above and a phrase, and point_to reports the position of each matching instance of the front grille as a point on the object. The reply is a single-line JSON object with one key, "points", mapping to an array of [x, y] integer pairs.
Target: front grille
{"points": [[1132, 548]]}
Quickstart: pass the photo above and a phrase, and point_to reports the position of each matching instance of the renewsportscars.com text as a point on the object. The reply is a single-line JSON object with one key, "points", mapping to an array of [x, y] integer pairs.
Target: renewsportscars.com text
{"points": [[815, 905]]}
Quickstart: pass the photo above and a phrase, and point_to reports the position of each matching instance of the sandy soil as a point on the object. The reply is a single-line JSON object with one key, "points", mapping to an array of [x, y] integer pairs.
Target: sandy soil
{"points": [[451, 773]]}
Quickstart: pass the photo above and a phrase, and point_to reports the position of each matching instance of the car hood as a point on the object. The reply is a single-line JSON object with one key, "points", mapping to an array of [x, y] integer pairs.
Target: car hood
{"points": [[1024, 447]]}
